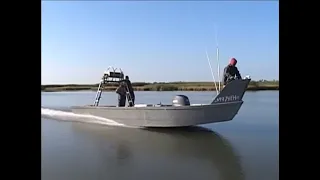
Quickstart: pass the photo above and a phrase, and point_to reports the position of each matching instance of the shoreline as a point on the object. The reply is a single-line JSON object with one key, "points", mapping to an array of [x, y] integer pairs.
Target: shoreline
{"points": [[172, 86]]}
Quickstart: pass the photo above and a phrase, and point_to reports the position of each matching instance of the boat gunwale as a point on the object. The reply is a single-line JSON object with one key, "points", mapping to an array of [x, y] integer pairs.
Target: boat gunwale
{"points": [[166, 107]]}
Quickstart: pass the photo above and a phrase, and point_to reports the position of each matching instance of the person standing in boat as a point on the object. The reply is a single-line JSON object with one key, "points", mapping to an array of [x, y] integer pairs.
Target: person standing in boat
{"points": [[130, 90], [121, 91], [230, 72]]}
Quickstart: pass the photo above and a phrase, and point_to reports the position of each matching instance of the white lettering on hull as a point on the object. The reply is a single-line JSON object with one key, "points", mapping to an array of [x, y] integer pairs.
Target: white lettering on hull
{"points": [[227, 99]]}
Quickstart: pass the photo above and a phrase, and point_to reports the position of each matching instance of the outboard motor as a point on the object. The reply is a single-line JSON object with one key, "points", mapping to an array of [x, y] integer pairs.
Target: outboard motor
{"points": [[180, 100]]}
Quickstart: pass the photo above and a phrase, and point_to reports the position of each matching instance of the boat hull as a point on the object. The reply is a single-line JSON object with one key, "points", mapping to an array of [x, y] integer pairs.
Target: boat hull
{"points": [[164, 116]]}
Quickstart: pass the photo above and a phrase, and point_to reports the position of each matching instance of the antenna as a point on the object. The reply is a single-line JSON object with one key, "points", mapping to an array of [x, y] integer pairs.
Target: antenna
{"points": [[214, 80], [216, 36]]}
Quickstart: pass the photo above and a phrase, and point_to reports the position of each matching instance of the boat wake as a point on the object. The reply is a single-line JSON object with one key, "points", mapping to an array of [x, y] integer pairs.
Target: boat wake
{"points": [[72, 117]]}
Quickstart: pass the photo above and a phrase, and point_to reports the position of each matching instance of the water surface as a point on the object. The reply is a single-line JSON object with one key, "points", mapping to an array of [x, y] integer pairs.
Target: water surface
{"points": [[245, 148]]}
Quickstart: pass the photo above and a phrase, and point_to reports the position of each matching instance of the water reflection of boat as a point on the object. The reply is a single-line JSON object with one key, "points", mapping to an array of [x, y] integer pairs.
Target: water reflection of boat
{"points": [[179, 153]]}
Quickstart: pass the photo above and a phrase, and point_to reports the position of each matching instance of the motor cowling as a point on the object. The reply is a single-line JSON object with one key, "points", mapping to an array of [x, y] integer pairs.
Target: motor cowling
{"points": [[180, 100]]}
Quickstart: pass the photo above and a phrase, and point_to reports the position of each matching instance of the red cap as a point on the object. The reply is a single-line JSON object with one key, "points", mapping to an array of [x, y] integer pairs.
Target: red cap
{"points": [[233, 61]]}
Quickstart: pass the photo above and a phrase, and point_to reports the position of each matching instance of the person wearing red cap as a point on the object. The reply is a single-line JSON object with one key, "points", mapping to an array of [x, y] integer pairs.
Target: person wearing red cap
{"points": [[231, 72]]}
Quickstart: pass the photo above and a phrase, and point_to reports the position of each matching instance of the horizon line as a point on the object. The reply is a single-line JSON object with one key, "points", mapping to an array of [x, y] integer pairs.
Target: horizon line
{"points": [[153, 82]]}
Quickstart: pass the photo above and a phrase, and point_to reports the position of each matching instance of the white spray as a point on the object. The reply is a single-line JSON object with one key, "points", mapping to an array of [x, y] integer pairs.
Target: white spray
{"points": [[69, 116]]}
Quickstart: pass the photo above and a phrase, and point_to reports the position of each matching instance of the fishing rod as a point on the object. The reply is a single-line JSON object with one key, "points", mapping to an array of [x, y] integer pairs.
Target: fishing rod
{"points": [[217, 51], [214, 80]]}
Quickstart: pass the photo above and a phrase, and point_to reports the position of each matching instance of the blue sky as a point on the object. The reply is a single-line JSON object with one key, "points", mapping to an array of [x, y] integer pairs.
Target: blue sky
{"points": [[157, 40]]}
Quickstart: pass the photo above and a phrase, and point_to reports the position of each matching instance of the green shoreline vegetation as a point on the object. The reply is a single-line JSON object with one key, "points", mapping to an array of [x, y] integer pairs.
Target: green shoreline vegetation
{"points": [[160, 86]]}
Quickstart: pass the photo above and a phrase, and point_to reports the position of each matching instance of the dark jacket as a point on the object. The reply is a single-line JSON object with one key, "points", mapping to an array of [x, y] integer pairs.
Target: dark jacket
{"points": [[121, 96], [230, 73], [121, 91], [130, 88]]}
